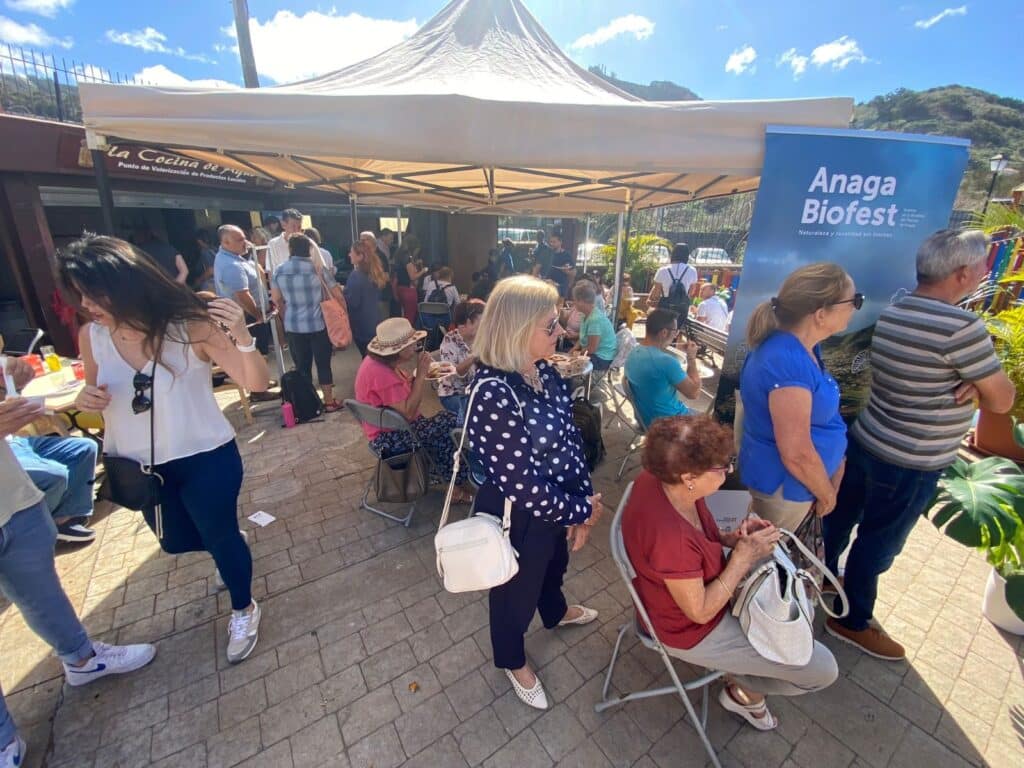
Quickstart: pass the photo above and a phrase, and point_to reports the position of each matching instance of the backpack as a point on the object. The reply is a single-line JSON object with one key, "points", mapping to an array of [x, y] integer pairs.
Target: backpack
{"points": [[438, 295], [433, 339], [587, 418], [298, 390], [678, 299]]}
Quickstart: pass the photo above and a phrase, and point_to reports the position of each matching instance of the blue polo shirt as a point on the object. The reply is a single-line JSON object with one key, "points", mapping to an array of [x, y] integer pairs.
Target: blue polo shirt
{"points": [[598, 324], [782, 361], [233, 273]]}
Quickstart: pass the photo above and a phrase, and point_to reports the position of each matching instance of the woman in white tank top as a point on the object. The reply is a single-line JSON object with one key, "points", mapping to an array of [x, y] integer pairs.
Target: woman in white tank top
{"points": [[148, 354]]}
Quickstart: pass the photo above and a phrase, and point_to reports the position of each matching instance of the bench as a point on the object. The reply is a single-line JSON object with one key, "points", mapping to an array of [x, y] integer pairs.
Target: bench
{"points": [[708, 339]]}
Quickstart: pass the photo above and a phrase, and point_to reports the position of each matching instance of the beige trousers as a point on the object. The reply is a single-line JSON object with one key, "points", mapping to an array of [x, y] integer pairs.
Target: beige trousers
{"points": [[785, 514]]}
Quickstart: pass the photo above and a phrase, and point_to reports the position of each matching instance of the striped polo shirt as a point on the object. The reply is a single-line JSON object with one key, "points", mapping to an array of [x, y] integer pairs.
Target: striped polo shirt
{"points": [[922, 350]]}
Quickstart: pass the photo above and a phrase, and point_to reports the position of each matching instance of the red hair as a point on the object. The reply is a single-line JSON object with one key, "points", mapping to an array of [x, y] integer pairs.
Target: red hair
{"points": [[681, 445]]}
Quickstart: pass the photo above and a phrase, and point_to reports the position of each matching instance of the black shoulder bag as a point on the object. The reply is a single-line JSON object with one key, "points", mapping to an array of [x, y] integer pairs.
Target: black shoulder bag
{"points": [[132, 484]]}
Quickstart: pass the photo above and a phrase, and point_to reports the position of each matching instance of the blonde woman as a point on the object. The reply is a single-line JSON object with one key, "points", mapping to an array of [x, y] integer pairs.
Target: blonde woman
{"points": [[794, 440], [521, 431]]}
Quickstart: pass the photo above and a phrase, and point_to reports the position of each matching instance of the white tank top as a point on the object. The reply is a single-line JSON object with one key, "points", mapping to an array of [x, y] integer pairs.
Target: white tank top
{"points": [[186, 417]]}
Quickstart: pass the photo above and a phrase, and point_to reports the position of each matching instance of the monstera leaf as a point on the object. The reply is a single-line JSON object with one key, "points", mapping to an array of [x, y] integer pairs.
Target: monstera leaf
{"points": [[1015, 594], [979, 504]]}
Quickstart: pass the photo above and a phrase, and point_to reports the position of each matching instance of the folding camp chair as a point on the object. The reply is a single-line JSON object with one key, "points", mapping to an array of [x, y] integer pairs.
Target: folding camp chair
{"points": [[651, 642], [383, 418], [625, 394]]}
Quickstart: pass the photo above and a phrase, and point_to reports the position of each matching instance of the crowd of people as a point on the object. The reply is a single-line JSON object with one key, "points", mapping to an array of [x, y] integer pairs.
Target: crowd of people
{"points": [[151, 340]]}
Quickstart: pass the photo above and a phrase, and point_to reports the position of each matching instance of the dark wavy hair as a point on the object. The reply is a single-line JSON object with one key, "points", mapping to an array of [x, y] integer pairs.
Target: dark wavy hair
{"points": [[680, 445], [129, 285]]}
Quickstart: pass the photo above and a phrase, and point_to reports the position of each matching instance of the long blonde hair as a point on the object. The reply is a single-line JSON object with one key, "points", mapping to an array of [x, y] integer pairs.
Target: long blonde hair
{"points": [[803, 293], [377, 274], [515, 307]]}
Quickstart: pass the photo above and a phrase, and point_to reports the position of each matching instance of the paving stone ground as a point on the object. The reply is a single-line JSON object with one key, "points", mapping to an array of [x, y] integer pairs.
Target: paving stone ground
{"points": [[365, 661]]}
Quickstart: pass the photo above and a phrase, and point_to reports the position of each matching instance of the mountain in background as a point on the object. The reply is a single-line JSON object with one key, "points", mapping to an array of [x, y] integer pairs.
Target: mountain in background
{"points": [[993, 123]]}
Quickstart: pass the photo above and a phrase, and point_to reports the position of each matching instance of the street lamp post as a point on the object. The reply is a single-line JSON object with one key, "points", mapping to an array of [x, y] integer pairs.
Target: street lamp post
{"points": [[997, 164]]}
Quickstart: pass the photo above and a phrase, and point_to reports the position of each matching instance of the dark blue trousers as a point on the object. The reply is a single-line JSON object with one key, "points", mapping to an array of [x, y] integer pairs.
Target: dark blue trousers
{"points": [[885, 501], [199, 505], [543, 559]]}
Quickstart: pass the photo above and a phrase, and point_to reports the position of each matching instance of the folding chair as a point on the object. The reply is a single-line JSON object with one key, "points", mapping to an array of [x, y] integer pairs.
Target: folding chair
{"points": [[651, 642], [383, 418], [434, 314], [637, 424]]}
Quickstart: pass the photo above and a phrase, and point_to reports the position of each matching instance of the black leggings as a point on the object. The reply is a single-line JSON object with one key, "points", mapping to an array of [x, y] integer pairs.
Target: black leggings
{"points": [[199, 511], [307, 347]]}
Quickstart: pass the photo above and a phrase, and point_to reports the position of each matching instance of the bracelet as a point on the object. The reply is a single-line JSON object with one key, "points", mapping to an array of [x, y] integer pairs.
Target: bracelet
{"points": [[250, 347], [719, 580]]}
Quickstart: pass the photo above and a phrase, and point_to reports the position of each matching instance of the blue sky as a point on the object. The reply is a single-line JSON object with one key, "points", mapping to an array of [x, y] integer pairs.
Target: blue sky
{"points": [[722, 49]]}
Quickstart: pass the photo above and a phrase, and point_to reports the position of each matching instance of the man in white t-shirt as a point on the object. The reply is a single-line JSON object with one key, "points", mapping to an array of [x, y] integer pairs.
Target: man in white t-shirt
{"points": [[712, 310], [679, 271], [277, 248]]}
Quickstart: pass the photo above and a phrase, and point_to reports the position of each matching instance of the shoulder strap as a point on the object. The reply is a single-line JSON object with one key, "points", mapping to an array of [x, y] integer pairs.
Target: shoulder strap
{"points": [[152, 409], [457, 458], [813, 560]]}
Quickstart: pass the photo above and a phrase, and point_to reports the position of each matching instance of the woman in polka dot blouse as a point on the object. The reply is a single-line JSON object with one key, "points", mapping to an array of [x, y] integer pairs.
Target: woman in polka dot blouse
{"points": [[521, 431]]}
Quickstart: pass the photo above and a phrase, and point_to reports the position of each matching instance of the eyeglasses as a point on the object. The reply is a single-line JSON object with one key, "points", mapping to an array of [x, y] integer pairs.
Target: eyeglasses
{"points": [[141, 403], [857, 301], [727, 468], [551, 328]]}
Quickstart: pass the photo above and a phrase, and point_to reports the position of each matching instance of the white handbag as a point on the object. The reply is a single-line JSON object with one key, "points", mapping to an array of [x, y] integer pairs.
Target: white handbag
{"points": [[775, 607], [476, 553]]}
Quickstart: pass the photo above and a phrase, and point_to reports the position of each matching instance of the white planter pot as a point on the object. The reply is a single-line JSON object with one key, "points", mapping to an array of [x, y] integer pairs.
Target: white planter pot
{"points": [[995, 608]]}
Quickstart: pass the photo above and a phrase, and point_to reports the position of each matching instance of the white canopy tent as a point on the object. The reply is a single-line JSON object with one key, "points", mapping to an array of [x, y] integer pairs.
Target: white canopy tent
{"points": [[478, 112]]}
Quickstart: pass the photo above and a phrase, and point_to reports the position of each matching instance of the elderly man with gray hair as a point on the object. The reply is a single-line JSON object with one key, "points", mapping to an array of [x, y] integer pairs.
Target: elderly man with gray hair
{"points": [[931, 362]]}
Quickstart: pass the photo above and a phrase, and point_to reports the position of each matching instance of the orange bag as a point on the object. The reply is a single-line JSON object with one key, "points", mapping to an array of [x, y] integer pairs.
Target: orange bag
{"points": [[335, 317]]}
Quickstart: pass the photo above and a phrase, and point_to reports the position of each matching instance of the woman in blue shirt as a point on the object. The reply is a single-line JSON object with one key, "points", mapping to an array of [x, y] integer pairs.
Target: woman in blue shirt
{"points": [[794, 441], [520, 429]]}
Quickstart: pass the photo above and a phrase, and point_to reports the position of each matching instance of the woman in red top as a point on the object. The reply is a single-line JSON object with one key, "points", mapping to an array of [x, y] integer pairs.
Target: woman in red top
{"points": [[685, 579]]}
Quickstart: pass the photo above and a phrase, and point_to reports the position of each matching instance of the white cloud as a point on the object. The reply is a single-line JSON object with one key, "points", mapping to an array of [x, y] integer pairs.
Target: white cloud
{"points": [[944, 14], [47, 8], [839, 53], [721, 27], [742, 60], [639, 27], [152, 40], [90, 73], [161, 75], [289, 47], [13, 33], [795, 61]]}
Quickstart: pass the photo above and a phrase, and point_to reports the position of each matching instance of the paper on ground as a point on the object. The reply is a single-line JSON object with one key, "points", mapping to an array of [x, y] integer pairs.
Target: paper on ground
{"points": [[262, 519]]}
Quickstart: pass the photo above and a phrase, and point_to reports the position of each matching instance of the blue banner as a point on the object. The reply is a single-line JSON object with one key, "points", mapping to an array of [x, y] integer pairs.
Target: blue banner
{"points": [[862, 199]]}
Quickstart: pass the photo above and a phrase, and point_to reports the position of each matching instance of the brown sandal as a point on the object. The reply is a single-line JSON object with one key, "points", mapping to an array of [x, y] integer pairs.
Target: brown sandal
{"points": [[332, 407]]}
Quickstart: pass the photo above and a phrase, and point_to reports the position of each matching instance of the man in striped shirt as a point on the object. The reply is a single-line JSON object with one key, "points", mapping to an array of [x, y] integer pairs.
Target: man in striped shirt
{"points": [[930, 361]]}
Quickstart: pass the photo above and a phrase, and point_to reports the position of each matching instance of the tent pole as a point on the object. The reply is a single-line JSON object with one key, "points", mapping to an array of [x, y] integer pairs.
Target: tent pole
{"points": [[617, 284], [586, 242], [398, 226], [273, 329], [353, 214]]}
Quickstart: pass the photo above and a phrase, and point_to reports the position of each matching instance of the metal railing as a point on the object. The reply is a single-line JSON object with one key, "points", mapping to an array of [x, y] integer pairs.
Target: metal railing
{"points": [[40, 85]]}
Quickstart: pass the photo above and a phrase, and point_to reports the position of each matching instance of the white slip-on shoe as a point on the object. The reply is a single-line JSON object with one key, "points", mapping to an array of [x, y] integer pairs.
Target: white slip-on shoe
{"points": [[243, 632], [109, 660], [586, 616], [533, 697]]}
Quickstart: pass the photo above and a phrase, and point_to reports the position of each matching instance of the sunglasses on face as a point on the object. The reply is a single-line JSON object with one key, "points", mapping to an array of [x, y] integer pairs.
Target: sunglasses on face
{"points": [[141, 403], [857, 301], [551, 328]]}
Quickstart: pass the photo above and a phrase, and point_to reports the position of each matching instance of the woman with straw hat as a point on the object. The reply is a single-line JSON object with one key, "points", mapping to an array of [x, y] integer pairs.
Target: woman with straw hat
{"points": [[382, 382]]}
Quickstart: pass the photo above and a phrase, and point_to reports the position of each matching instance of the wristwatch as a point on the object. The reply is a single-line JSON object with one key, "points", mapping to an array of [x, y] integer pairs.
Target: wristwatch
{"points": [[250, 347]]}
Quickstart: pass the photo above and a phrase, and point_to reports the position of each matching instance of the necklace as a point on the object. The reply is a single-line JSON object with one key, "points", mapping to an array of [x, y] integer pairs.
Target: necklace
{"points": [[532, 377]]}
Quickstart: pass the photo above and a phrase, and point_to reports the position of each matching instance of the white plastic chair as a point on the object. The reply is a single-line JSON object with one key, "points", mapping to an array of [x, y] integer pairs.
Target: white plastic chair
{"points": [[651, 642]]}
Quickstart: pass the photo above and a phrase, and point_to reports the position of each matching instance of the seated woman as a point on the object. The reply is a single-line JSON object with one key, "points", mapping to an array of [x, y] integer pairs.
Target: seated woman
{"points": [[380, 382], [456, 349], [684, 578], [597, 336]]}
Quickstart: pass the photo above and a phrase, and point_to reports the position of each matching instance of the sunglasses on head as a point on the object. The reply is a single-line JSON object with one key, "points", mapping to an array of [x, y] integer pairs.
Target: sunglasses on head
{"points": [[857, 301], [141, 403]]}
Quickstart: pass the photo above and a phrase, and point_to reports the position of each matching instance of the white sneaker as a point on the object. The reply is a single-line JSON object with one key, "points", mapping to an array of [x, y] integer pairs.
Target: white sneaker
{"points": [[109, 660], [243, 632], [218, 581], [13, 755]]}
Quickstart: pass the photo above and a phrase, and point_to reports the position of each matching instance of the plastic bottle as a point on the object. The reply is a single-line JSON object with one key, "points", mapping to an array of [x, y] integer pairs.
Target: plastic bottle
{"points": [[288, 415]]}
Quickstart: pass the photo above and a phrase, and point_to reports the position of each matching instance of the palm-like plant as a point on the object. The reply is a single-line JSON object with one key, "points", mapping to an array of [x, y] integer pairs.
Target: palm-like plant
{"points": [[981, 505], [640, 258]]}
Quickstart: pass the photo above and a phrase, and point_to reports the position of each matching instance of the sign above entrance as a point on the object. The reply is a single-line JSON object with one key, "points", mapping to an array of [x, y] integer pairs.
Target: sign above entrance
{"points": [[147, 162]]}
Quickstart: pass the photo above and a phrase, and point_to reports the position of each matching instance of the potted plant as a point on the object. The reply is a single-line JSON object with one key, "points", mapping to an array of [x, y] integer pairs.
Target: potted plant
{"points": [[981, 505], [995, 431]]}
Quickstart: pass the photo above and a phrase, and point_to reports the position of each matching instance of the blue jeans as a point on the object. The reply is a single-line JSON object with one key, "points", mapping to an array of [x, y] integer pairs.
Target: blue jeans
{"points": [[456, 404], [29, 580], [884, 501], [63, 468]]}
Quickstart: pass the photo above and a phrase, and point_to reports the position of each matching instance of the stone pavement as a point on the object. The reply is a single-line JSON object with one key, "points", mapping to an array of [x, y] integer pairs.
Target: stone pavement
{"points": [[365, 661]]}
